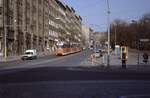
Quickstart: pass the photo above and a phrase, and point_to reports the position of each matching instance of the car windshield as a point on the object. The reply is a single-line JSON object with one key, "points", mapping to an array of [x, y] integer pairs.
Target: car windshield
{"points": [[28, 52], [74, 48]]}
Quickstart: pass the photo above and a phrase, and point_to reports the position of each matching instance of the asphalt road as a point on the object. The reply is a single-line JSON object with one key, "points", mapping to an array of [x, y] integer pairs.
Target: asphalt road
{"points": [[64, 77], [21, 63], [49, 61]]}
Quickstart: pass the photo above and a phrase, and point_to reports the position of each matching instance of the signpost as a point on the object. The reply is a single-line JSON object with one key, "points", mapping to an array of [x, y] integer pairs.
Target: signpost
{"points": [[141, 40]]}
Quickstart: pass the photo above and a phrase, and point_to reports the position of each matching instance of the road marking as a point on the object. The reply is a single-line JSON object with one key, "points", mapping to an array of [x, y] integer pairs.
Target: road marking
{"points": [[135, 96], [35, 83]]}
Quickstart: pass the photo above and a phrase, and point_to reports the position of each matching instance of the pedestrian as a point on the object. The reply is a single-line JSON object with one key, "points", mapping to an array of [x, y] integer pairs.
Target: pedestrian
{"points": [[145, 58]]}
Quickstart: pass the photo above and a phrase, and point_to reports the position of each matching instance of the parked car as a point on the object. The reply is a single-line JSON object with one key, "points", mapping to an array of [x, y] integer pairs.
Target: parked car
{"points": [[100, 52], [96, 54], [105, 50], [84, 48], [29, 54]]}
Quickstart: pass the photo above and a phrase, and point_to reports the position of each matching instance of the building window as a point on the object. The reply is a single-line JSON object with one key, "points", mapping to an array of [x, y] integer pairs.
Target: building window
{"points": [[1, 30], [0, 46], [40, 2], [0, 2], [1, 10]]}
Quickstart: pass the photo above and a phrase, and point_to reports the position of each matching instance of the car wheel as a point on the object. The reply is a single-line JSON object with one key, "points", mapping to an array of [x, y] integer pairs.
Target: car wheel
{"points": [[22, 59], [35, 57]]}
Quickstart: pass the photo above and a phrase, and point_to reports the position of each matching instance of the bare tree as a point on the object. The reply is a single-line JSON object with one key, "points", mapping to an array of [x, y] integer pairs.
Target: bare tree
{"points": [[123, 32]]}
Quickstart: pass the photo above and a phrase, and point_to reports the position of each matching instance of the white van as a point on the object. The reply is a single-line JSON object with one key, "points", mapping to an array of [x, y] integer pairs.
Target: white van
{"points": [[29, 54]]}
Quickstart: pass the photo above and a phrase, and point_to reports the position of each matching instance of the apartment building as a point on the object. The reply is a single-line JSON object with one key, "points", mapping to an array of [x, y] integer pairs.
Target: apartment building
{"points": [[74, 22], [86, 33], [100, 38], [38, 24], [65, 24]]}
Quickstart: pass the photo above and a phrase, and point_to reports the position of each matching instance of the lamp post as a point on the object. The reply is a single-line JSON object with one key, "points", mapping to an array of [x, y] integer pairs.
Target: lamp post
{"points": [[115, 35], [5, 36], [5, 32], [138, 42], [115, 31], [108, 29]]}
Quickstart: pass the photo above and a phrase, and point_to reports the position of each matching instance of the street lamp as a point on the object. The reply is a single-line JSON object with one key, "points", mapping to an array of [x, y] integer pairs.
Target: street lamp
{"points": [[5, 35], [5, 32], [108, 14], [138, 42], [115, 25]]}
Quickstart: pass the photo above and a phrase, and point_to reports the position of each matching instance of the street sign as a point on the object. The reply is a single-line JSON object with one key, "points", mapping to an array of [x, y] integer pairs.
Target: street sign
{"points": [[144, 40]]}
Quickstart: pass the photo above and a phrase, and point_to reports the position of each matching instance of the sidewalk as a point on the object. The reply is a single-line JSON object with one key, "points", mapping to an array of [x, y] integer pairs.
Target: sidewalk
{"points": [[115, 60], [132, 58], [10, 58]]}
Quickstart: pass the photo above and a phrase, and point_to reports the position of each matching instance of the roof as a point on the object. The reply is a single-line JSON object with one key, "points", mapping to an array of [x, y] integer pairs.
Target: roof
{"points": [[61, 4]]}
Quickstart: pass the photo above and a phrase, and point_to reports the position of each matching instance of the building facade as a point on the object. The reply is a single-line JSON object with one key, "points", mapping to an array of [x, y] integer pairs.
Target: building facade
{"points": [[86, 33], [99, 38], [36, 24]]}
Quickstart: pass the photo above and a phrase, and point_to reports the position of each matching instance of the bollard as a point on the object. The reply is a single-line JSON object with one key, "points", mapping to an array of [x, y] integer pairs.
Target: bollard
{"points": [[103, 60], [123, 60], [123, 64]]}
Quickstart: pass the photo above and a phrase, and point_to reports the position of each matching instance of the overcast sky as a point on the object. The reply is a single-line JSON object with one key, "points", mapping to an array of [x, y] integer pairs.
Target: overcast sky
{"points": [[95, 11]]}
